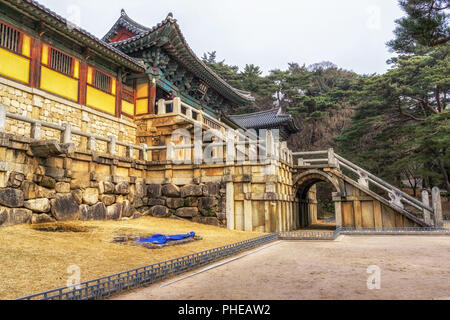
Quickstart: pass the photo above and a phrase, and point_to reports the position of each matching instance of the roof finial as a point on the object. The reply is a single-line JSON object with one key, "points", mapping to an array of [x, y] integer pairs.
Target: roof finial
{"points": [[122, 12], [170, 15]]}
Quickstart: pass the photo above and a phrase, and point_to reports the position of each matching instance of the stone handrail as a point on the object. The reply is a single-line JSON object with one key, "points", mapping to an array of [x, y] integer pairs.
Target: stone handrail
{"points": [[365, 179]]}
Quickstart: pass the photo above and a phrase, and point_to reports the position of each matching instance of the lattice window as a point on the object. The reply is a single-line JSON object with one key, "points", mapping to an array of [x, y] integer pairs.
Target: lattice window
{"points": [[61, 62], [102, 81], [128, 96], [9, 38]]}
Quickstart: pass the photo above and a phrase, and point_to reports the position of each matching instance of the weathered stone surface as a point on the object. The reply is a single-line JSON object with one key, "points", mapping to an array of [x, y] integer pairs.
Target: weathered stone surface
{"points": [[62, 187], [139, 190], [4, 214], [47, 182], [65, 207], [38, 205], [33, 191], [211, 189], [90, 196], [41, 218], [159, 211], [15, 179], [191, 202], [208, 206], [207, 220], [154, 190], [80, 182], [187, 212], [156, 202], [78, 195], [175, 203], [191, 190], [113, 212], [122, 188], [95, 212], [106, 187], [127, 209], [19, 216], [170, 190], [11, 197], [108, 199]]}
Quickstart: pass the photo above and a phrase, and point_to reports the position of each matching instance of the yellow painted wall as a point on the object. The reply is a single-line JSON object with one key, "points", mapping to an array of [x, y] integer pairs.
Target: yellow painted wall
{"points": [[141, 106], [127, 107], [58, 83], [100, 100], [142, 90], [14, 66]]}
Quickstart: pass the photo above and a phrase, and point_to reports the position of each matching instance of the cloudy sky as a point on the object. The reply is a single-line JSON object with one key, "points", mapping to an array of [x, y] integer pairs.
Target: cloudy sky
{"points": [[349, 33]]}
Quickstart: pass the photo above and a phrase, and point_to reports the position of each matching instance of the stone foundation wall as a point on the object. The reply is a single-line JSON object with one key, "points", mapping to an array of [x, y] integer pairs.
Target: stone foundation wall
{"points": [[95, 186], [39, 105]]}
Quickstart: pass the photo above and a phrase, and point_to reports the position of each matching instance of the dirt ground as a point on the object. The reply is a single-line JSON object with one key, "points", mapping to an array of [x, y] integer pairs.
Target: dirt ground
{"points": [[33, 261], [411, 267]]}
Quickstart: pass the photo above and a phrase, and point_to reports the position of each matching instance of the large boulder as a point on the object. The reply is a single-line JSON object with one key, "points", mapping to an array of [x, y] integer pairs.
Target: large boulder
{"points": [[65, 207], [4, 215], [190, 190], [127, 209], [159, 211], [47, 182], [106, 187], [11, 197], [122, 188], [33, 191], [90, 196], [15, 179], [95, 212], [19, 216], [187, 212], [108, 199], [41, 205], [62, 187], [175, 203], [170, 190], [156, 202], [154, 190], [78, 195], [208, 206], [211, 189], [113, 212], [191, 201]]}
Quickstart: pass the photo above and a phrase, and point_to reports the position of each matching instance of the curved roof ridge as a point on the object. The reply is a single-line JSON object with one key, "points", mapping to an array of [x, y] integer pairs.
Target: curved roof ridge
{"points": [[169, 19], [126, 22]]}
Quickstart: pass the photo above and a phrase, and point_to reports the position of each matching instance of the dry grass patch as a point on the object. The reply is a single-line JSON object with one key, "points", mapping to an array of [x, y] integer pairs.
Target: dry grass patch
{"points": [[34, 260]]}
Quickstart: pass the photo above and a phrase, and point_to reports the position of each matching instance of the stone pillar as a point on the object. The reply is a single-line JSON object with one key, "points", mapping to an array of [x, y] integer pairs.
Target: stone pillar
{"points": [[437, 207], [161, 106], [177, 105], [426, 202], [2, 118], [229, 206], [337, 209]]}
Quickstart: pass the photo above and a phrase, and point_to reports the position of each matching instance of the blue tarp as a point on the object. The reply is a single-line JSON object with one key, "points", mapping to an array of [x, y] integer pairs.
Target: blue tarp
{"points": [[161, 239]]}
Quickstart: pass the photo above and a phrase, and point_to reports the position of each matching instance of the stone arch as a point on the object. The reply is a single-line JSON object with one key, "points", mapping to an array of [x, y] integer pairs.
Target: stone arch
{"points": [[302, 184]]}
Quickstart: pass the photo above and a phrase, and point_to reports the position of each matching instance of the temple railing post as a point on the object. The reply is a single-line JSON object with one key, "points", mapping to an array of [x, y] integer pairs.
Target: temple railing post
{"points": [[67, 133], [143, 153], [161, 106], [36, 131], [426, 202], [437, 207], [112, 145]]}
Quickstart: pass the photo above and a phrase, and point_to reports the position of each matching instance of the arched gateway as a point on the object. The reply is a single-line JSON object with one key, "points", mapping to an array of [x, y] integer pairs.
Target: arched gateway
{"points": [[304, 186]]}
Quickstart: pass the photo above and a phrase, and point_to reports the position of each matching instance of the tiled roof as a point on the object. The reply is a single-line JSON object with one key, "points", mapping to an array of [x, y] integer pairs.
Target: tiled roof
{"points": [[174, 42], [50, 18], [126, 22], [265, 120]]}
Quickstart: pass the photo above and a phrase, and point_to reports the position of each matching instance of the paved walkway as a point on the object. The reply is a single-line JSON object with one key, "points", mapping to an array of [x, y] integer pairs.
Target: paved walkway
{"points": [[411, 267]]}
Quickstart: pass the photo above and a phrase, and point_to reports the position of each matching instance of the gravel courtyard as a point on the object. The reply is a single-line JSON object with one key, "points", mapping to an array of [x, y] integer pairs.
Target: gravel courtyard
{"points": [[412, 267]]}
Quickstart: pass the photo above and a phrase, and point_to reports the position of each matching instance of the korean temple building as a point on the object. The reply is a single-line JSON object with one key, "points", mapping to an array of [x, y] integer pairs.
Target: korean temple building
{"points": [[122, 82], [86, 132]]}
